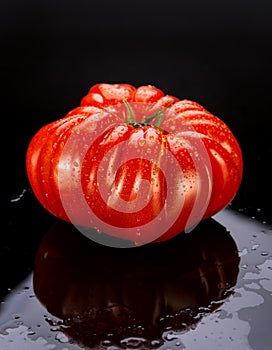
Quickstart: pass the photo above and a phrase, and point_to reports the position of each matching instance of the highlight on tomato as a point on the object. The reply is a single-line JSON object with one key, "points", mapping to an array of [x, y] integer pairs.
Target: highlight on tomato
{"points": [[135, 164]]}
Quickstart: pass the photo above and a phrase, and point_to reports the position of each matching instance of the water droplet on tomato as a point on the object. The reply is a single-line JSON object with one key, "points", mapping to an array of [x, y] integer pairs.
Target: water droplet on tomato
{"points": [[138, 232], [141, 142], [92, 126]]}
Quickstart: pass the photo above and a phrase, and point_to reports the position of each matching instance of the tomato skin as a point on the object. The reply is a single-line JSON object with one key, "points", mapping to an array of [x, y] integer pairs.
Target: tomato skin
{"points": [[102, 117], [102, 95]]}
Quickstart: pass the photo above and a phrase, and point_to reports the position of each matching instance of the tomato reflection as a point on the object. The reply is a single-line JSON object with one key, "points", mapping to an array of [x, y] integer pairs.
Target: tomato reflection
{"points": [[100, 292]]}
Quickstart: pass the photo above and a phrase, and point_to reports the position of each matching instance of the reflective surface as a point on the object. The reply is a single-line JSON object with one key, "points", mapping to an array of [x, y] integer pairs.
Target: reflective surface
{"points": [[207, 289]]}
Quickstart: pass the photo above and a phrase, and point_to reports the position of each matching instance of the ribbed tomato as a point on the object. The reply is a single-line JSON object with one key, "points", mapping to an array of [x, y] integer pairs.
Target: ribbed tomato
{"points": [[135, 163]]}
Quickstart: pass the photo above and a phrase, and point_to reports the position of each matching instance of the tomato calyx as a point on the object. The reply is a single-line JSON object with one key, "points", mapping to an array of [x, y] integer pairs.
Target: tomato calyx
{"points": [[159, 113]]}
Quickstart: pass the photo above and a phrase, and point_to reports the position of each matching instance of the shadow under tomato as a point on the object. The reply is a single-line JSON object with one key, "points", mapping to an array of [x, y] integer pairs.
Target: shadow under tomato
{"points": [[99, 292]]}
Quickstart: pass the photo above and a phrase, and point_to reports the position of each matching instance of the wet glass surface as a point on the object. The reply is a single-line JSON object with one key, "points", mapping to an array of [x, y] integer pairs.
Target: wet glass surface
{"points": [[207, 289]]}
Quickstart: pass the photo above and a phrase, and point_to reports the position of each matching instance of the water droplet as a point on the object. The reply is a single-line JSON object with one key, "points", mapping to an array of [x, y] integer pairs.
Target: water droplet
{"points": [[97, 230], [76, 164], [91, 127], [264, 254], [141, 142], [31, 332], [170, 335], [243, 252], [19, 197], [62, 338], [255, 246], [106, 342], [133, 342], [156, 342]]}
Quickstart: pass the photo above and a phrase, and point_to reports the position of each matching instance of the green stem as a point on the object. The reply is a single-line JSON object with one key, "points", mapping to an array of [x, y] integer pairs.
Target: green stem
{"points": [[158, 114], [130, 112], [155, 115], [158, 122]]}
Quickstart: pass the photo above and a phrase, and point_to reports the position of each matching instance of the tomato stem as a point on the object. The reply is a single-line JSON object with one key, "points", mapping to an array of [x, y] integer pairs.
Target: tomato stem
{"points": [[130, 112], [149, 119], [158, 114]]}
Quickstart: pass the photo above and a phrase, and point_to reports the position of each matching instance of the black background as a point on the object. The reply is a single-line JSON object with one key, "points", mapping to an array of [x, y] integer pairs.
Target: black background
{"points": [[214, 52]]}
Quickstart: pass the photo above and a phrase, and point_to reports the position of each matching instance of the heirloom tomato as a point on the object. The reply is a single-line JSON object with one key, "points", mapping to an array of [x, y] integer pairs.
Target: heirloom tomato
{"points": [[135, 163]]}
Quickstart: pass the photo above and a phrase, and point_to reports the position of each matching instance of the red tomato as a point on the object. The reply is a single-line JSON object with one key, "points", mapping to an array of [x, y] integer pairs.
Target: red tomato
{"points": [[135, 163]]}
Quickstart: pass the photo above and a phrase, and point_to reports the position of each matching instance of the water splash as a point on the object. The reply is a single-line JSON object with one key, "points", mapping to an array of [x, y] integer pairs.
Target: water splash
{"points": [[19, 196]]}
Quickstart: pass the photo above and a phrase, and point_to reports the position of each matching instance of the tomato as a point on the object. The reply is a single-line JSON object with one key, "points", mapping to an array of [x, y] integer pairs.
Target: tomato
{"points": [[135, 163]]}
